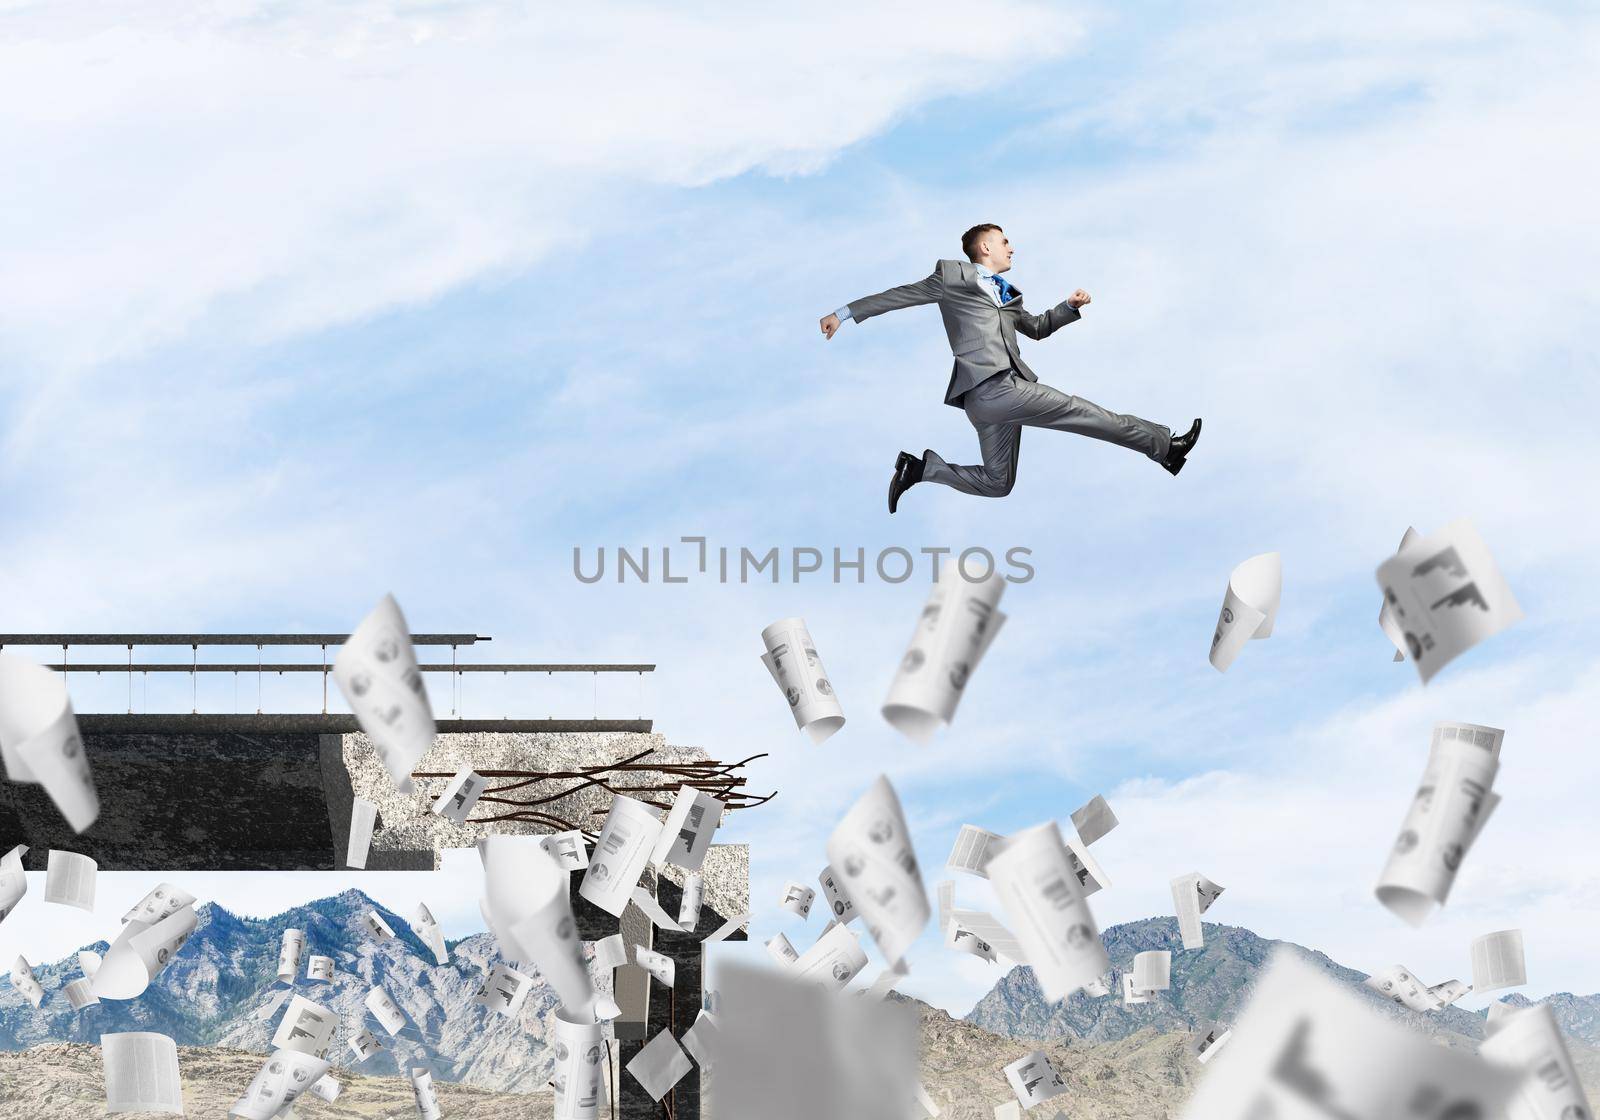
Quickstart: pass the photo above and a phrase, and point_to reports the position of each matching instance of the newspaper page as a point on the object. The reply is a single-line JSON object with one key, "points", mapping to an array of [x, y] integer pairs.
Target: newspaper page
{"points": [[1192, 895], [422, 1086], [69, 879], [1497, 961], [1152, 971], [385, 1010], [1044, 901], [958, 624], [1208, 1040], [568, 849], [1530, 1040], [1093, 819], [1249, 607], [781, 950], [1446, 595], [972, 850], [836, 959], [363, 818], [797, 898], [319, 969], [690, 826], [529, 896], [13, 879], [690, 901], [39, 741], [364, 1045], [427, 928], [658, 965], [22, 979], [981, 923], [791, 658], [460, 794], [872, 849], [504, 990], [162, 901], [376, 669], [1401, 985], [141, 1071], [306, 1028], [291, 948], [659, 1065], [836, 896], [965, 941], [626, 840], [283, 1077], [1307, 1047], [1451, 806], [1386, 620], [579, 1050], [1034, 1080]]}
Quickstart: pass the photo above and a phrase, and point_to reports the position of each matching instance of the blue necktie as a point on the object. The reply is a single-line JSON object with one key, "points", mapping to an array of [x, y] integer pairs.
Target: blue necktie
{"points": [[1002, 287]]}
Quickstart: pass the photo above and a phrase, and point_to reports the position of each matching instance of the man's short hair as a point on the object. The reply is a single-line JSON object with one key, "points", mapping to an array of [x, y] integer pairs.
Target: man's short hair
{"points": [[970, 239]]}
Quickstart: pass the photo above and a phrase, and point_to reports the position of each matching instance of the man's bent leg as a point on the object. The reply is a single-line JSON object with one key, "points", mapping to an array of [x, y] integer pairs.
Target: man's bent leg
{"points": [[999, 444], [1044, 406]]}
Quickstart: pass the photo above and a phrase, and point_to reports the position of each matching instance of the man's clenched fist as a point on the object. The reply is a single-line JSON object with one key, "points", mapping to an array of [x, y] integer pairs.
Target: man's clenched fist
{"points": [[830, 324], [1078, 298]]}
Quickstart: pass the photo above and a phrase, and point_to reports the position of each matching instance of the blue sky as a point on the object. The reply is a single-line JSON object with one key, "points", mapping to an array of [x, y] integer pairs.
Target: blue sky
{"points": [[421, 298]]}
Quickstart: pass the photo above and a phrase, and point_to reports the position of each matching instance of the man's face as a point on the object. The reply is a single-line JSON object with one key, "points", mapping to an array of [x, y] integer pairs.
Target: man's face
{"points": [[996, 251]]}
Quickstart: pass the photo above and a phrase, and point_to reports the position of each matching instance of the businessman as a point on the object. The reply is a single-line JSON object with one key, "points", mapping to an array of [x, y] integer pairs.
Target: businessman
{"points": [[983, 314]]}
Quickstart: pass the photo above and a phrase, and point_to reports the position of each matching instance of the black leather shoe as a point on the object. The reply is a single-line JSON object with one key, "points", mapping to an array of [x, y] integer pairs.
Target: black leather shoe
{"points": [[907, 473], [1178, 448]]}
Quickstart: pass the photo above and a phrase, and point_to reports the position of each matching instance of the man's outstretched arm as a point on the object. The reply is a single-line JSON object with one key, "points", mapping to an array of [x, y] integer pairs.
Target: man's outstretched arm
{"points": [[1043, 326], [906, 295]]}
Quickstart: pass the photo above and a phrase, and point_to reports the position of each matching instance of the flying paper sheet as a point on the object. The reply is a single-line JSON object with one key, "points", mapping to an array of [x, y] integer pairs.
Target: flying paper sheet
{"points": [[690, 826], [986, 926], [1035, 883], [1152, 971], [872, 849], [306, 1028], [375, 925], [163, 901], [1386, 619], [364, 1045], [270, 1008], [836, 959], [1093, 819], [609, 952], [965, 941], [1192, 895], [22, 979], [141, 951], [957, 626], [1531, 1041], [728, 928], [1034, 1080], [1011, 1110], [327, 1087], [88, 962], [141, 1070], [781, 950], [1451, 806], [653, 910], [579, 1050], [460, 795], [529, 897], [1497, 961], [290, 950], [1401, 985], [659, 1065], [1209, 1039], [792, 660], [39, 739], [697, 1039], [319, 968], [972, 850], [659, 965], [377, 671], [1249, 607], [422, 1086], [1131, 994], [385, 1010], [69, 879], [797, 898], [363, 816], [626, 840], [689, 902], [80, 994], [568, 849], [836, 897], [1307, 1047], [1091, 876], [13, 879], [504, 990], [427, 928], [283, 1077], [1446, 595]]}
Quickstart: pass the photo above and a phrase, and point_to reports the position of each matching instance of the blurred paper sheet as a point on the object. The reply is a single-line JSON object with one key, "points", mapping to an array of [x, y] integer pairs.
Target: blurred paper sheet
{"points": [[13, 879], [1530, 1040], [1386, 620], [1093, 819], [958, 624], [1044, 902], [872, 849], [377, 671], [39, 739], [529, 898], [972, 850], [836, 959]]}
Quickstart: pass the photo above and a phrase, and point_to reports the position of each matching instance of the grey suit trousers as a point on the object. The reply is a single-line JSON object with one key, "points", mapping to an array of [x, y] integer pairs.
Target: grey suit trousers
{"points": [[999, 408]]}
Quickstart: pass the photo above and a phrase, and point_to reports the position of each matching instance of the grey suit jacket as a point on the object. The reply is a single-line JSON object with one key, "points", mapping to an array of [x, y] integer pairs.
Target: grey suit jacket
{"points": [[983, 337]]}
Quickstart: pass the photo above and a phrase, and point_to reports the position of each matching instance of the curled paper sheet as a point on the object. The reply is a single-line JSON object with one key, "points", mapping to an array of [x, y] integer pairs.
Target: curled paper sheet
{"points": [[836, 897], [427, 928], [1091, 876], [39, 739], [283, 1077], [836, 959], [1530, 1040], [422, 1086], [1451, 806], [1152, 971], [141, 1071], [1401, 985], [985, 925], [610, 952], [689, 903], [306, 1028], [1208, 1040], [972, 850], [658, 965], [1386, 620], [797, 898], [460, 795], [1093, 819], [290, 949], [69, 879], [1498, 961], [791, 658], [686, 836], [377, 671], [529, 896], [1249, 607], [385, 1010], [780, 950], [1445, 595], [659, 1065], [1131, 994], [364, 1045], [958, 624], [965, 941], [88, 962], [568, 849], [13, 879], [327, 1087], [1042, 897], [579, 1050], [504, 990], [1034, 1080], [80, 994], [1306, 1046], [319, 969], [626, 840], [363, 816], [22, 979], [1192, 895], [872, 849], [140, 952], [375, 925]]}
